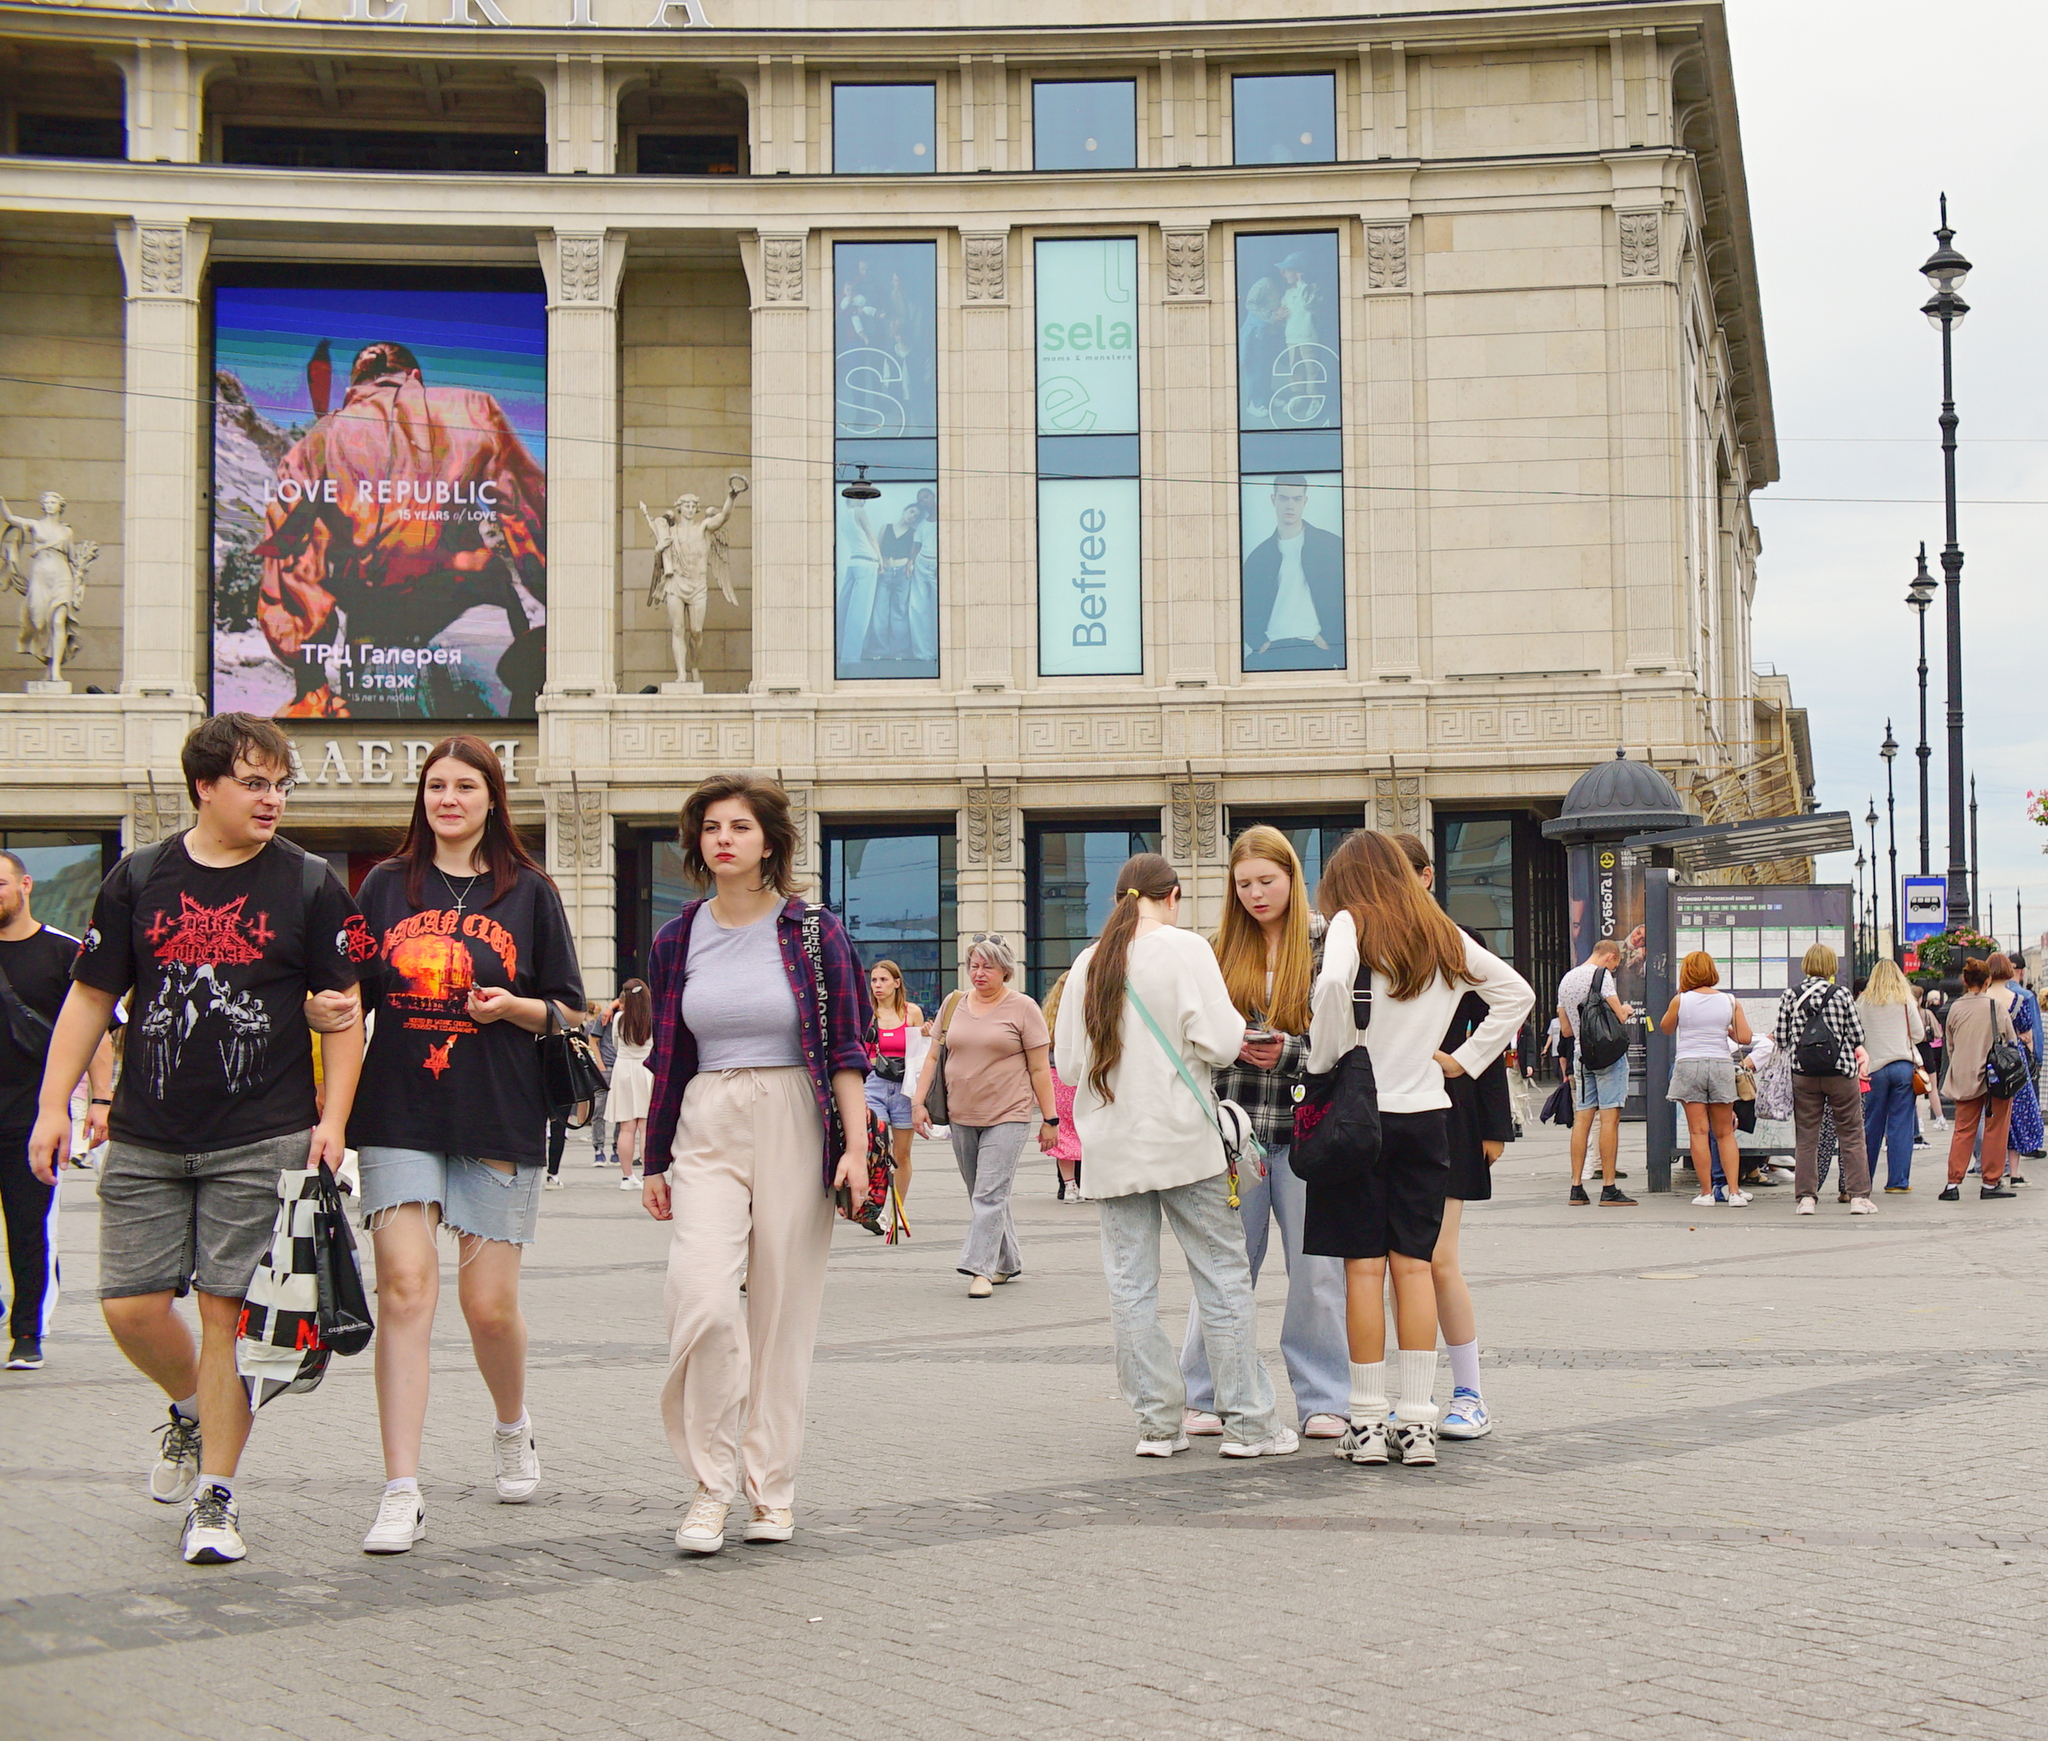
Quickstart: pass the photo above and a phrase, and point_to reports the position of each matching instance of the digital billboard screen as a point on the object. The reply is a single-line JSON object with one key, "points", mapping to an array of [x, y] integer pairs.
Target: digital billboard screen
{"points": [[380, 502]]}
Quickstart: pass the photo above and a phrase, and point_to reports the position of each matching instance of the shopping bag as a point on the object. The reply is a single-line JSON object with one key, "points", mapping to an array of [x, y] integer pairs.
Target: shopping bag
{"points": [[277, 1341], [344, 1305]]}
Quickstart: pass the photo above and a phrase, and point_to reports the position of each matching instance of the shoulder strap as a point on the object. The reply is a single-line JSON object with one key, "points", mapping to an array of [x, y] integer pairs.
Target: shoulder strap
{"points": [[136, 867], [1361, 998], [946, 1010], [1173, 1054], [313, 873]]}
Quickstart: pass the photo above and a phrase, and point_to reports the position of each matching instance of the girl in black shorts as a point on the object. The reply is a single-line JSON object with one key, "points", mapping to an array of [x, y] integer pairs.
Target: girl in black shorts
{"points": [[1390, 1213]]}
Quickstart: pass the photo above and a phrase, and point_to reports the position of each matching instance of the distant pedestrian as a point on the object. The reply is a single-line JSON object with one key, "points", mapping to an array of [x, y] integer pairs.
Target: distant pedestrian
{"points": [[1892, 1035], [1066, 1153], [2024, 1135], [998, 1097], [596, 1027], [1709, 1023], [1819, 1030], [632, 1089], [1932, 1054], [888, 1095], [1975, 1021], [1596, 1094]]}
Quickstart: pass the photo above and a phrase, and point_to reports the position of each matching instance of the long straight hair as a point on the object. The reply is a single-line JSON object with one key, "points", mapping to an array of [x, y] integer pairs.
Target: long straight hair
{"points": [[1145, 876], [636, 1013], [1887, 985], [501, 851], [1406, 939], [902, 992], [1241, 942]]}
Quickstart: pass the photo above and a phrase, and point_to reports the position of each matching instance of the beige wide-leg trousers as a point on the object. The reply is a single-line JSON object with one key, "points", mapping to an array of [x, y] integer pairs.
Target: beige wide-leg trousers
{"points": [[747, 1185]]}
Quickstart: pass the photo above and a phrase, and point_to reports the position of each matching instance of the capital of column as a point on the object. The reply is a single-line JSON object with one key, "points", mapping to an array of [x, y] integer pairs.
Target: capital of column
{"points": [[162, 262], [1187, 262], [582, 268], [775, 267], [985, 255]]}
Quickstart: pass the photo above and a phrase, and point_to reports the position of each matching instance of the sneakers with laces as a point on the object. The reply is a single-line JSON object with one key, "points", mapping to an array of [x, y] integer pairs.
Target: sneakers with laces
{"points": [[1162, 1447], [518, 1464], [1706, 1200], [1466, 1418], [26, 1355], [1366, 1444], [401, 1521], [1862, 1206], [771, 1523], [1806, 1206], [211, 1538], [1614, 1197], [553, 1182], [1412, 1441], [1201, 1424], [177, 1466], [1736, 1199], [702, 1530], [1578, 1199], [1281, 1442]]}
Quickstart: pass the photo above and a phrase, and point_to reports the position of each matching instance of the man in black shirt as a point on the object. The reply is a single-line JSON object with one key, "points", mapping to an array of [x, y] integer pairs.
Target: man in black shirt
{"points": [[35, 973], [221, 935]]}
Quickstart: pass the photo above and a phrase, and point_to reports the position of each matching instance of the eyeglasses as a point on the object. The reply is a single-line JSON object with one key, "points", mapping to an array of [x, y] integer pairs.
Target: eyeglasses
{"points": [[989, 937], [263, 788]]}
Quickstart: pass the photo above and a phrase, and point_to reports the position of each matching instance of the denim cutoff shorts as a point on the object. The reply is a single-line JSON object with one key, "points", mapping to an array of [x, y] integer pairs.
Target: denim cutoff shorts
{"points": [[1703, 1081], [1603, 1090], [473, 1198], [889, 1101]]}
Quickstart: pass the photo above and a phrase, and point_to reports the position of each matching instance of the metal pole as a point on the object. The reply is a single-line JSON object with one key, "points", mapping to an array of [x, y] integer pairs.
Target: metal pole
{"points": [[1891, 832], [1871, 820], [1976, 880], [1925, 753], [1961, 893], [1660, 1134]]}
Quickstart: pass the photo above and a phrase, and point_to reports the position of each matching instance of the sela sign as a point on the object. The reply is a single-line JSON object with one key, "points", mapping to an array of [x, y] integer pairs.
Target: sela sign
{"points": [[1926, 911], [477, 14], [1088, 336]]}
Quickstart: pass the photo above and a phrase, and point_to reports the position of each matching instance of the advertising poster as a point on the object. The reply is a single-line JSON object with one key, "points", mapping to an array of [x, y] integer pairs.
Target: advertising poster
{"points": [[1288, 343], [1606, 893], [1088, 612], [886, 378], [1293, 578], [887, 599], [1088, 336], [380, 502]]}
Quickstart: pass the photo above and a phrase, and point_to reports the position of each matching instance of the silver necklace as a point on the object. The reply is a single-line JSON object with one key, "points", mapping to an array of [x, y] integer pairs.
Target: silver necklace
{"points": [[468, 889]]}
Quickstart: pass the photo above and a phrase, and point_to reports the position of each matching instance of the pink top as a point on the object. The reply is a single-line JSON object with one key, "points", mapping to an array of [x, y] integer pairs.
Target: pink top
{"points": [[1068, 1148]]}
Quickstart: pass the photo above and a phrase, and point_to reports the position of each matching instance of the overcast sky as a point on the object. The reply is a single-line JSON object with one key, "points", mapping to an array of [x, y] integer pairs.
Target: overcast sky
{"points": [[1854, 119]]}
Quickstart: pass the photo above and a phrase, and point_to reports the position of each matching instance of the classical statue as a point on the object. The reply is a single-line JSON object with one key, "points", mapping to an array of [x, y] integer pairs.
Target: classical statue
{"points": [[688, 555], [47, 567]]}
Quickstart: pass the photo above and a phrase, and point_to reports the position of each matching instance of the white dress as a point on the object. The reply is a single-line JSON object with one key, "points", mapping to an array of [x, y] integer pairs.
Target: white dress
{"points": [[632, 1083]]}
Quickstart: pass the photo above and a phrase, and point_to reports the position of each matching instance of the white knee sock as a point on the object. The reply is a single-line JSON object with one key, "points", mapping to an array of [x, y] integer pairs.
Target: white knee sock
{"points": [[1368, 1393], [1418, 1380], [1464, 1364]]}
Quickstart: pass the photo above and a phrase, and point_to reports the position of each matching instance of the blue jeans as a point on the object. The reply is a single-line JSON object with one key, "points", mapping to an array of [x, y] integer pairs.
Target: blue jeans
{"points": [[1889, 1120], [1312, 1339]]}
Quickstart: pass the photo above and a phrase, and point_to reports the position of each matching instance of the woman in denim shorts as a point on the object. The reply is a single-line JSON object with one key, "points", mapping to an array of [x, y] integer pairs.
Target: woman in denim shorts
{"points": [[885, 1088], [1703, 1071]]}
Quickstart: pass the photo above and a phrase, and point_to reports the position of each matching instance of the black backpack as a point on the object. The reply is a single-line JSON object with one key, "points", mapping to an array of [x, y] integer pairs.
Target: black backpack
{"points": [[1602, 1038], [1818, 1052]]}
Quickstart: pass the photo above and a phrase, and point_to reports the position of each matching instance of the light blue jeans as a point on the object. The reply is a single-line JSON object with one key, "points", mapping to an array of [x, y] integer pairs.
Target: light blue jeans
{"points": [[1312, 1335], [1213, 1240]]}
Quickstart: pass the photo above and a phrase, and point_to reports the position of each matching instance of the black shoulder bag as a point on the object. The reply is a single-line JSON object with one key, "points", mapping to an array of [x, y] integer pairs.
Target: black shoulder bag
{"points": [[571, 1078], [1602, 1038], [2005, 1065], [30, 1030], [1337, 1111]]}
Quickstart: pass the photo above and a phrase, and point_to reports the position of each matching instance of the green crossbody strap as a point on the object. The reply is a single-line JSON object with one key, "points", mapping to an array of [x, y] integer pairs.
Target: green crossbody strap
{"points": [[1180, 1064]]}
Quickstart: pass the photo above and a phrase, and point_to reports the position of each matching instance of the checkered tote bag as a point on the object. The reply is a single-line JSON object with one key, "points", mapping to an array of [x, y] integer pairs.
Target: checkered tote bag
{"points": [[278, 1346]]}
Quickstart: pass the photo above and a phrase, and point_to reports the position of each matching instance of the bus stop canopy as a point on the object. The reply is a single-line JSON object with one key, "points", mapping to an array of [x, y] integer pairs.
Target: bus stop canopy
{"points": [[1720, 845]]}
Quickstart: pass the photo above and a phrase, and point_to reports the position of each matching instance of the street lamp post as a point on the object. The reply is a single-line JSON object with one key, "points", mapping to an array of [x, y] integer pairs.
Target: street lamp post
{"points": [[1856, 954], [1889, 750], [1976, 864], [1918, 597], [1945, 270], [1870, 822]]}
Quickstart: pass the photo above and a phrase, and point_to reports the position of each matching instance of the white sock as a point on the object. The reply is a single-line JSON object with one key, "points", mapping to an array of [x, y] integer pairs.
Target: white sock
{"points": [[188, 1406], [1418, 1381], [404, 1484], [206, 1481], [1464, 1364], [508, 1428], [1368, 1393]]}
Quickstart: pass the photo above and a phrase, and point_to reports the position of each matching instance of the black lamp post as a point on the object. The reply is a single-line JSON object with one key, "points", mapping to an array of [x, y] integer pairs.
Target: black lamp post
{"points": [[1856, 955], [1976, 864], [1889, 750], [1945, 270], [1870, 822], [1918, 597]]}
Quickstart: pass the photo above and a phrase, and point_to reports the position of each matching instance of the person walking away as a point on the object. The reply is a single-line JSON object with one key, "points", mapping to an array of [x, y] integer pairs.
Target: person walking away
{"points": [[1066, 1152], [1147, 1121], [1706, 1021], [888, 1040], [35, 974], [1892, 1036], [2032, 1000], [1269, 949], [1975, 1021], [1597, 1094], [219, 937], [1391, 1214], [2023, 1134], [473, 952], [1480, 1125], [632, 1088], [1820, 1031], [1929, 1001], [998, 1088], [595, 1023], [755, 1120]]}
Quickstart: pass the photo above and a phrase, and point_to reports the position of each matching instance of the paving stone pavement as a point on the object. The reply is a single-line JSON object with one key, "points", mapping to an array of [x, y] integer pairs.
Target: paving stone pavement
{"points": [[1753, 1477]]}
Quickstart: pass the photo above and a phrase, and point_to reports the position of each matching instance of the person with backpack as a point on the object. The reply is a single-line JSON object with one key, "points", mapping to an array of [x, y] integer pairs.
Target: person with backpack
{"points": [[1977, 1023], [1145, 1018], [219, 936], [756, 1120], [1820, 1031], [474, 958], [1593, 1027], [1395, 969]]}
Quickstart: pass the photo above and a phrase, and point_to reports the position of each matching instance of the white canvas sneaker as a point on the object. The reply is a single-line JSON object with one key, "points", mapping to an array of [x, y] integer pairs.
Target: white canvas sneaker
{"points": [[702, 1530], [518, 1465], [401, 1521]]}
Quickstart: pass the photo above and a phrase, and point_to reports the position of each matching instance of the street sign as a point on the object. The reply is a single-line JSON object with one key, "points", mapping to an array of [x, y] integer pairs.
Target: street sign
{"points": [[1926, 907], [1910, 960]]}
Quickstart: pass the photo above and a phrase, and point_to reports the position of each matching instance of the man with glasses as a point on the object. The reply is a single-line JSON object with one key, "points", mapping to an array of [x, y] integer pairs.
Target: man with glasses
{"points": [[224, 938]]}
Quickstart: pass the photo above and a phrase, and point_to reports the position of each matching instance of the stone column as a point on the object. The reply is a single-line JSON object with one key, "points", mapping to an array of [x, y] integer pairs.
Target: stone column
{"points": [[161, 528], [583, 864], [1190, 574], [1646, 435], [1382, 541], [989, 881], [792, 520], [983, 457]]}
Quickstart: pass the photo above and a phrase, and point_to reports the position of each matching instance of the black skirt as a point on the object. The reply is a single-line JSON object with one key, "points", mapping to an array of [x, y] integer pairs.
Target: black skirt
{"points": [[1398, 1206]]}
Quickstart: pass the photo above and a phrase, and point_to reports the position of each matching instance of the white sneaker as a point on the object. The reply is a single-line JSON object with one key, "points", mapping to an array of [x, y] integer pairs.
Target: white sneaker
{"points": [[1705, 1202], [1805, 1206], [1201, 1424], [702, 1530], [629, 1184], [518, 1465], [1366, 1444], [176, 1473], [1162, 1447], [770, 1523], [1862, 1206], [401, 1521], [1466, 1418], [1739, 1199], [211, 1537], [1283, 1442], [553, 1182], [1413, 1442]]}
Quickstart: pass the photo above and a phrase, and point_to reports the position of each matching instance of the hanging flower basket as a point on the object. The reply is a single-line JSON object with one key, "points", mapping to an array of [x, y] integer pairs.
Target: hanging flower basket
{"points": [[1945, 955]]}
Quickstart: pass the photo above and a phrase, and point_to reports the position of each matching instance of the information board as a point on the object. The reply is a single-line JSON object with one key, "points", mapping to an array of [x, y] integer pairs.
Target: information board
{"points": [[1759, 936]]}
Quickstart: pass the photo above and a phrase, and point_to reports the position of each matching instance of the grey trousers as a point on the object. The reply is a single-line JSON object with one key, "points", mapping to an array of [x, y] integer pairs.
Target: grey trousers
{"points": [[988, 1155], [1147, 1368]]}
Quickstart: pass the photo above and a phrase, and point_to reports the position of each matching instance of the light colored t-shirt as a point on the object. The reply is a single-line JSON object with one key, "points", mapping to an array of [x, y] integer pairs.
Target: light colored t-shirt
{"points": [[987, 1078], [1294, 609], [737, 1002]]}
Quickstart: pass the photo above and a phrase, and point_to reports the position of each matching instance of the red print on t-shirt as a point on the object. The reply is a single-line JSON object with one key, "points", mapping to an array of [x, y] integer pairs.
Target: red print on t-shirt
{"points": [[220, 935], [437, 1059]]}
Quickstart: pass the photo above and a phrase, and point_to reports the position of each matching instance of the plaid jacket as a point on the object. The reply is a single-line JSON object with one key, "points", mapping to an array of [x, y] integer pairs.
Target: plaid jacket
{"points": [[1835, 1007], [1268, 1095], [673, 1061]]}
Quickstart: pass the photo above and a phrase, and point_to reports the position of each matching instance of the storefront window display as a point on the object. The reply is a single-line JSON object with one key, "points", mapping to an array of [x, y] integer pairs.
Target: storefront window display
{"points": [[1070, 885]]}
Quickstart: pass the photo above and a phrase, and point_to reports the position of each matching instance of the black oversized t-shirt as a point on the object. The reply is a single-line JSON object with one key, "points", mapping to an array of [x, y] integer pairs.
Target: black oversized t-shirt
{"points": [[434, 1079], [218, 1054], [39, 969]]}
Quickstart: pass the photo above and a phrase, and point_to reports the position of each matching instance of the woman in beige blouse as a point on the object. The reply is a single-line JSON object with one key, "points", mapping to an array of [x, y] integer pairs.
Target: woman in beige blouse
{"points": [[1974, 1021]]}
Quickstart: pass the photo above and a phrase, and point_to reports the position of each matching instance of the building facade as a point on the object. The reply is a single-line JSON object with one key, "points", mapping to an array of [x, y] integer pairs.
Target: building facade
{"points": [[1342, 417]]}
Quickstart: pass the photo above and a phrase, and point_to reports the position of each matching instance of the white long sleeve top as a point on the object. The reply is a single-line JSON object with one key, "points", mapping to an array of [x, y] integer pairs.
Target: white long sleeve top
{"points": [[1405, 1034], [1152, 1136]]}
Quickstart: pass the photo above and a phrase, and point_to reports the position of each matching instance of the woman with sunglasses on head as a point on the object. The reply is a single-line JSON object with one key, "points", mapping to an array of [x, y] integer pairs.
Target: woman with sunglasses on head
{"points": [[1269, 947], [887, 1038], [1391, 1214], [473, 957], [998, 1091], [1145, 1018]]}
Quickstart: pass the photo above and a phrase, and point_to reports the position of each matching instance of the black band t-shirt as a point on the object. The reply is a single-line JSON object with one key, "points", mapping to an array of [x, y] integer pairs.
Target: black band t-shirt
{"points": [[434, 1079], [218, 1053], [39, 969]]}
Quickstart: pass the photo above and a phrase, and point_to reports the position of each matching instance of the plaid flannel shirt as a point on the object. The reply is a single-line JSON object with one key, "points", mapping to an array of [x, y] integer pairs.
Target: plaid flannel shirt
{"points": [[1268, 1095], [1836, 1009]]}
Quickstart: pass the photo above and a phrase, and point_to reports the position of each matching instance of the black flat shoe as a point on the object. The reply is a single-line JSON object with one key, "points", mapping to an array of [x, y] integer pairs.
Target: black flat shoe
{"points": [[1997, 1191], [1949, 1194]]}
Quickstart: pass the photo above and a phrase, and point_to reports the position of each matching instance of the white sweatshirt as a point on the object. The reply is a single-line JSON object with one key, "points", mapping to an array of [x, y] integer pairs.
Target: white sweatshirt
{"points": [[1404, 1036], [1153, 1136]]}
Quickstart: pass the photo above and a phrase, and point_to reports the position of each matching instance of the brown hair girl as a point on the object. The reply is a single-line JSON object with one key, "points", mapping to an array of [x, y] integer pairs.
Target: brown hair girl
{"points": [[1403, 936], [501, 854], [1241, 944], [636, 1013], [1145, 876], [770, 806]]}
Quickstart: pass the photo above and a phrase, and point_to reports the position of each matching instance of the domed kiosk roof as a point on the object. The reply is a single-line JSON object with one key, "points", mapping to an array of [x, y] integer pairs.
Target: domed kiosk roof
{"points": [[1616, 798]]}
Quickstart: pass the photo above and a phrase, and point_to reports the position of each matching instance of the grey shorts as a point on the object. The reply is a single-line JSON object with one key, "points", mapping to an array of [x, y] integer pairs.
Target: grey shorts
{"points": [[1703, 1081], [172, 1223], [473, 1197]]}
